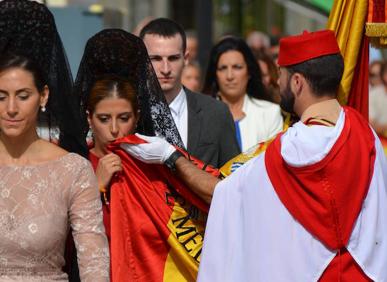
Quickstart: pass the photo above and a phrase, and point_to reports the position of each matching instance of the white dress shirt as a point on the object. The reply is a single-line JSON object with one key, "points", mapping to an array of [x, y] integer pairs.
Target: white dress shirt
{"points": [[179, 110]]}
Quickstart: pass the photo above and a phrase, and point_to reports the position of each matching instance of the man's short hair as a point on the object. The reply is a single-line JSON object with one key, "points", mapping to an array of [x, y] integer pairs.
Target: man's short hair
{"points": [[322, 73], [164, 28]]}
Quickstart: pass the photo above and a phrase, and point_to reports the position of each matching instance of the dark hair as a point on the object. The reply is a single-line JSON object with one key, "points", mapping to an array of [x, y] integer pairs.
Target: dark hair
{"points": [[111, 86], [9, 61], [271, 66], [255, 86], [164, 28], [323, 73]]}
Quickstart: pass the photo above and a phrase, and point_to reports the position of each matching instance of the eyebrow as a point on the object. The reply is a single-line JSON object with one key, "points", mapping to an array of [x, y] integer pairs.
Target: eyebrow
{"points": [[232, 65], [169, 56], [24, 90], [17, 91], [109, 114]]}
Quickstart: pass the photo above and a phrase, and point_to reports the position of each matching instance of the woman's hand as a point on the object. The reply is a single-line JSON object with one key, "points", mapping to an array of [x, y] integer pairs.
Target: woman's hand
{"points": [[108, 165]]}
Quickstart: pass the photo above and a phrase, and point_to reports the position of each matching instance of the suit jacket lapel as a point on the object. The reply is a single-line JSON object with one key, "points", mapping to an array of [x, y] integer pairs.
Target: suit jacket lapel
{"points": [[194, 121]]}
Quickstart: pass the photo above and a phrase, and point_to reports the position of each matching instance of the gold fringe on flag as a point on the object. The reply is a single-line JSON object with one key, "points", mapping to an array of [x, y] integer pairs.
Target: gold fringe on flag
{"points": [[377, 32], [376, 25]]}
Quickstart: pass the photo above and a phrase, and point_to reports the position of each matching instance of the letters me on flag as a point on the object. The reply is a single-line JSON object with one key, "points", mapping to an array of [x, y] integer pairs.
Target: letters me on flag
{"points": [[157, 224]]}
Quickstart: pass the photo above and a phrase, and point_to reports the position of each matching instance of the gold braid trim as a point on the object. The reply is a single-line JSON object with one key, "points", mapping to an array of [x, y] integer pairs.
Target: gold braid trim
{"points": [[377, 33], [376, 29]]}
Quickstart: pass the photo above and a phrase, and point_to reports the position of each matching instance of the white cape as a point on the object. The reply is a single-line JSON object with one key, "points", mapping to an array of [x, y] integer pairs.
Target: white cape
{"points": [[251, 236]]}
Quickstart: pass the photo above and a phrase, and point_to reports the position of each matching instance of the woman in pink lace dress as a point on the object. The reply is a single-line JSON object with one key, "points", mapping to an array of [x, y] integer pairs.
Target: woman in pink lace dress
{"points": [[43, 189]]}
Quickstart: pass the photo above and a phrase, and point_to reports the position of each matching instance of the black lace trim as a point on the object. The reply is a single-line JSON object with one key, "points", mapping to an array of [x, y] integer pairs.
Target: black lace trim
{"points": [[115, 51]]}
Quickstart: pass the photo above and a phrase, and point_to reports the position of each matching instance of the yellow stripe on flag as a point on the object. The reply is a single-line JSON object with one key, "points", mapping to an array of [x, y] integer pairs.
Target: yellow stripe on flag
{"points": [[252, 152], [347, 20], [187, 225], [176, 269], [242, 158]]}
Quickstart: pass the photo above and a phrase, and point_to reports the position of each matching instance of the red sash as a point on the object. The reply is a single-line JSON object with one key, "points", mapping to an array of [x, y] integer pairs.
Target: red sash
{"points": [[326, 197]]}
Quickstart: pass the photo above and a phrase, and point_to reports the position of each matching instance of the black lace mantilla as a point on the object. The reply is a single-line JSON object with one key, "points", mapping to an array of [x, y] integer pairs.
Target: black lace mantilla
{"points": [[28, 28], [115, 51]]}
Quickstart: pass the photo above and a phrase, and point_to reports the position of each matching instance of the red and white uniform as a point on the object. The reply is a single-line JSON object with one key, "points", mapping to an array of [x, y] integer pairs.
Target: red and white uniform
{"points": [[313, 207]]}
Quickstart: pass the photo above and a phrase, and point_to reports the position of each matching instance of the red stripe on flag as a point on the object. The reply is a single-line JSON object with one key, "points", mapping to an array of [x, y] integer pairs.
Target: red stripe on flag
{"points": [[378, 15], [358, 96], [370, 10], [143, 198], [385, 10]]}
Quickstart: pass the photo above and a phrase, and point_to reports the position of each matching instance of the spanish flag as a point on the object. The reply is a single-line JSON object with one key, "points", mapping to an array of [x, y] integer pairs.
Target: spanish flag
{"points": [[356, 23], [347, 19], [157, 224], [242, 158]]}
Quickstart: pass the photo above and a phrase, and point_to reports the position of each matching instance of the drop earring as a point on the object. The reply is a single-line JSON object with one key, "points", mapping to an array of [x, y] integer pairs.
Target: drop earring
{"points": [[43, 109]]}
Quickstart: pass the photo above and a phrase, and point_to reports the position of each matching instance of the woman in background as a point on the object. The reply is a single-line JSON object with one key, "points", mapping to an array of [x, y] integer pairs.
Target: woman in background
{"points": [[234, 77]]}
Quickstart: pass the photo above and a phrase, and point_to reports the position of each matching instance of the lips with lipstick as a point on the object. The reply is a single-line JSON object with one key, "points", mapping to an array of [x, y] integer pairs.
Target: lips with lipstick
{"points": [[12, 122]]}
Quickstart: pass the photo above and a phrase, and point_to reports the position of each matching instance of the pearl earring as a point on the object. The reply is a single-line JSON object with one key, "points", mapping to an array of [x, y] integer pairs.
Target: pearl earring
{"points": [[43, 109]]}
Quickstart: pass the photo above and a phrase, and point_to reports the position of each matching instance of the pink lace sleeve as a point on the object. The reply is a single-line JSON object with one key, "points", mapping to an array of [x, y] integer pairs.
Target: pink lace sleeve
{"points": [[88, 230]]}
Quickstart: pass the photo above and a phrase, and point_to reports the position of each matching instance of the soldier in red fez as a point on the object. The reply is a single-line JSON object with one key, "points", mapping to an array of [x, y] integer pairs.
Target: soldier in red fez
{"points": [[313, 207]]}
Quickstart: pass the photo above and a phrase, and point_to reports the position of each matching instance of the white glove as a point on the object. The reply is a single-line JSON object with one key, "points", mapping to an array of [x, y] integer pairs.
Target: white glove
{"points": [[156, 151]]}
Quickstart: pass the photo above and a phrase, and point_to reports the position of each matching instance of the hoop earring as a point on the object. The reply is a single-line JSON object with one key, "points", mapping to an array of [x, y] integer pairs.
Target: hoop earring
{"points": [[43, 109]]}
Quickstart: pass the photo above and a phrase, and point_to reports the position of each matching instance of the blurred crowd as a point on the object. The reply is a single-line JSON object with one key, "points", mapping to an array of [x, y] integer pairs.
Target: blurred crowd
{"points": [[378, 96]]}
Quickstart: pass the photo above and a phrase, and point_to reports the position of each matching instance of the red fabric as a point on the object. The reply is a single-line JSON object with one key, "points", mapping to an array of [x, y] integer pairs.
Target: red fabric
{"points": [[137, 253], [358, 96], [325, 197], [344, 268], [378, 11], [317, 195], [312, 44], [142, 200]]}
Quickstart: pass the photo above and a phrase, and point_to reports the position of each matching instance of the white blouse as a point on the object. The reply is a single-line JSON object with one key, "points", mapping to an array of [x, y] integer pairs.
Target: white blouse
{"points": [[262, 121]]}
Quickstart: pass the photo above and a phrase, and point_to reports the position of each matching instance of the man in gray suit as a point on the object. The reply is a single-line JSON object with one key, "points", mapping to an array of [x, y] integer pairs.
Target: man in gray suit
{"points": [[205, 125]]}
